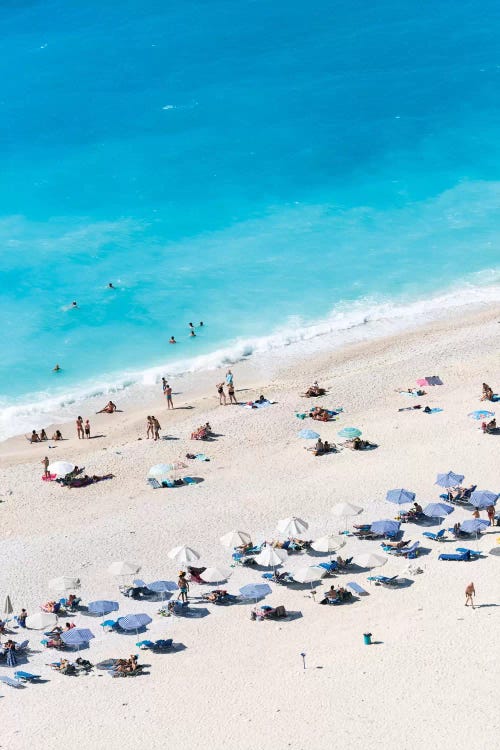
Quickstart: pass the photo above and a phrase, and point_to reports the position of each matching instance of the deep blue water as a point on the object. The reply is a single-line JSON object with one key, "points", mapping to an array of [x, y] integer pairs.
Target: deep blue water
{"points": [[243, 163]]}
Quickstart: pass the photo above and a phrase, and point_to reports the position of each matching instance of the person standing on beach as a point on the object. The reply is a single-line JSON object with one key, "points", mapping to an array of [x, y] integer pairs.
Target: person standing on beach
{"points": [[149, 427], [87, 429], [79, 428], [156, 428], [230, 391], [490, 510], [183, 585], [168, 396], [45, 462], [470, 592], [229, 377], [222, 395]]}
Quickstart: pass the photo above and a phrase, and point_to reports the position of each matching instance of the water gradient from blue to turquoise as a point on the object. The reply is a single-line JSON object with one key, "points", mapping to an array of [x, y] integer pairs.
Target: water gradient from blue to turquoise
{"points": [[255, 165]]}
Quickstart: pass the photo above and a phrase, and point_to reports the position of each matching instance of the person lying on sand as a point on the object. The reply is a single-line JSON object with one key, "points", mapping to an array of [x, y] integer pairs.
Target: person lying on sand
{"points": [[487, 393], [110, 408], [397, 545], [356, 444], [489, 427], [320, 414]]}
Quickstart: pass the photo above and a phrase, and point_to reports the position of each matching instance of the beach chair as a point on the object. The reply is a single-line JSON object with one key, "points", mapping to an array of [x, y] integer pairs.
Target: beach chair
{"points": [[410, 552], [26, 676], [436, 537], [384, 580], [461, 534], [330, 567], [154, 483], [159, 645], [462, 557], [471, 552], [10, 681], [22, 647], [357, 589]]}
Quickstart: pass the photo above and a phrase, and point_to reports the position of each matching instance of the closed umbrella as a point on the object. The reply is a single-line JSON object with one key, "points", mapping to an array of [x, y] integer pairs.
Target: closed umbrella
{"points": [[437, 510], [183, 554], [123, 568], [308, 574], [8, 609], [134, 622], [350, 433], [292, 526], [41, 620], [215, 575], [308, 434], [483, 498], [328, 543], [255, 590], [235, 539], [450, 479], [102, 607], [474, 525], [60, 468], [63, 584], [369, 560], [387, 526], [77, 637], [271, 557], [400, 497]]}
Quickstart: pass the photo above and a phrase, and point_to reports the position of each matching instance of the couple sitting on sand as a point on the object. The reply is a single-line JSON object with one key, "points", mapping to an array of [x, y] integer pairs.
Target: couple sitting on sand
{"points": [[322, 447], [336, 596], [314, 390]]}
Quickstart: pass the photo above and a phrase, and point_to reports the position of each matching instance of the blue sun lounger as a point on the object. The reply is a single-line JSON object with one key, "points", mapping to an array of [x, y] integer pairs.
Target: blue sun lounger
{"points": [[26, 676], [472, 552], [160, 645], [436, 537], [357, 588], [462, 557], [384, 581], [330, 567], [10, 681]]}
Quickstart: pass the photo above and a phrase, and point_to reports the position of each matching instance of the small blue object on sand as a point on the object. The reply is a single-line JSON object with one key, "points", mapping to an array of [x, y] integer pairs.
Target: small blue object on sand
{"points": [[357, 588], [26, 676]]}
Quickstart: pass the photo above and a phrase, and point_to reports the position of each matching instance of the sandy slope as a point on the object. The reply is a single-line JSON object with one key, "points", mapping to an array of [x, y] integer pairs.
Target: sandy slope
{"points": [[240, 682]]}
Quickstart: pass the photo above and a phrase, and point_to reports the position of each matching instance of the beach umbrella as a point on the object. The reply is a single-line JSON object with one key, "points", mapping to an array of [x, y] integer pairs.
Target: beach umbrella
{"points": [[134, 622], [63, 584], [481, 414], [386, 526], [41, 620], [123, 568], [292, 526], [308, 434], [162, 587], [255, 590], [102, 607], [308, 574], [343, 510], [60, 468], [495, 551], [450, 479], [400, 497], [350, 433], [8, 609], [158, 471], [369, 560], [474, 525], [271, 557], [235, 539], [437, 510], [328, 543], [483, 498], [77, 637], [183, 554], [214, 575]]}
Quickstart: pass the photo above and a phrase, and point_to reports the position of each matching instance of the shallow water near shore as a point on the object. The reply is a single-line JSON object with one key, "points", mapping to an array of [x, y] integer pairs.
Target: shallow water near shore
{"points": [[277, 179]]}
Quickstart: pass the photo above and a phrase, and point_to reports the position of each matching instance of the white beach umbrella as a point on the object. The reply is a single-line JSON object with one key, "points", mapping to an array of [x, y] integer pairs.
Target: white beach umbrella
{"points": [[8, 609], [328, 543], [158, 471], [63, 584], [308, 574], [271, 557], [183, 554], [292, 526], [41, 620], [214, 575], [344, 510], [123, 568], [369, 560], [61, 468], [235, 539]]}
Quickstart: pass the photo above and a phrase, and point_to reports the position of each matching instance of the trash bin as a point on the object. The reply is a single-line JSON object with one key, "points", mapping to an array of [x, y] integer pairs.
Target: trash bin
{"points": [[367, 638]]}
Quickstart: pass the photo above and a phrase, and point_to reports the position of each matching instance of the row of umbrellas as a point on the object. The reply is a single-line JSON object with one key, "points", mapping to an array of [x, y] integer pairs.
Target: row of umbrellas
{"points": [[346, 432]]}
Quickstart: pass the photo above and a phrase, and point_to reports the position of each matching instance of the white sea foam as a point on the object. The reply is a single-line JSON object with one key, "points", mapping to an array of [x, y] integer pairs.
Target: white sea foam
{"points": [[348, 322]]}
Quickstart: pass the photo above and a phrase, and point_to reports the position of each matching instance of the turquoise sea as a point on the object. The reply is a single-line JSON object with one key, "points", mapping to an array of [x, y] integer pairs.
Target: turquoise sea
{"points": [[276, 169]]}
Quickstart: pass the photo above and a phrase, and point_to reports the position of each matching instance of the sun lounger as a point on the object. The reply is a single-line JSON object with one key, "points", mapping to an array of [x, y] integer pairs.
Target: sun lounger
{"points": [[329, 567], [384, 581], [462, 557], [159, 645], [276, 577], [410, 552], [436, 537], [472, 552], [22, 647], [26, 676], [154, 483], [357, 588], [10, 681]]}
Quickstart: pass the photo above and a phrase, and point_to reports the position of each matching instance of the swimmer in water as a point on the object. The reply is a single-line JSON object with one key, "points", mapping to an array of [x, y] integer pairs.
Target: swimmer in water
{"points": [[73, 304], [192, 333], [110, 285], [56, 369], [201, 324], [191, 326], [172, 340]]}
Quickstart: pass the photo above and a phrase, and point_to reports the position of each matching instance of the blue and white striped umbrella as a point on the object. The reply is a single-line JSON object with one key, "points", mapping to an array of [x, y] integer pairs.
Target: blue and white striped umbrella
{"points": [[450, 479], [161, 586], [437, 510], [134, 622], [102, 607], [400, 497], [474, 525], [385, 527], [483, 498], [77, 637], [255, 590]]}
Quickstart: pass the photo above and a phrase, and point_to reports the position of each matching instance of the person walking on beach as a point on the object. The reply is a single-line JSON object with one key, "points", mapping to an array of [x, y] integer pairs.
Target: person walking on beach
{"points": [[470, 592], [149, 427], [168, 395], [79, 427], [87, 429], [230, 391], [222, 395], [183, 585], [45, 461], [490, 510], [156, 428], [229, 377]]}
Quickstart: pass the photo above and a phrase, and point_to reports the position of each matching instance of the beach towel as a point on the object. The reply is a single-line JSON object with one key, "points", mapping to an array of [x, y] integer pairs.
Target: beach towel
{"points": [[154, 483], [432, 411], [50, 478], [430, 380]]}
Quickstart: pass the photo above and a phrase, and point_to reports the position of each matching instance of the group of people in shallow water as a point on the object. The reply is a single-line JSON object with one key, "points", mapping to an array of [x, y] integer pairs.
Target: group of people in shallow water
{"points": [[192, 334]]}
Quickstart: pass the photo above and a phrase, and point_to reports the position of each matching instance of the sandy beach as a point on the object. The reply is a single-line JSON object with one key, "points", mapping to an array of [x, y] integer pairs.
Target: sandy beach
{"points": [[428, 676]]}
